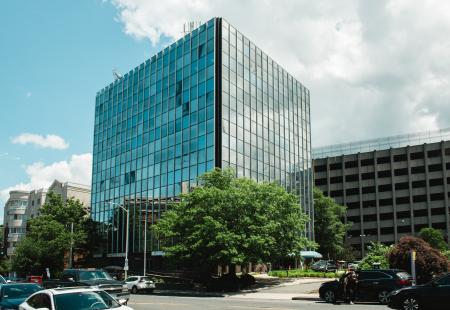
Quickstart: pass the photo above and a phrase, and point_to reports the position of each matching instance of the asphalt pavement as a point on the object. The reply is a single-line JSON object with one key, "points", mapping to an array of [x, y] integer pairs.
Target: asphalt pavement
{"points": [[141, 302], [277, 297]]}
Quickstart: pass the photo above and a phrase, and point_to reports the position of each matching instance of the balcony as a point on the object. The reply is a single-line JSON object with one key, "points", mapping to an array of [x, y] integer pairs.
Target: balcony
{"points": [[15, 237]]}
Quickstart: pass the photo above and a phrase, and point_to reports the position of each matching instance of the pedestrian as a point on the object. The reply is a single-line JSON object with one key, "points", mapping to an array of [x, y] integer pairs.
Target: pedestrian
{"points": [[350, 285]]}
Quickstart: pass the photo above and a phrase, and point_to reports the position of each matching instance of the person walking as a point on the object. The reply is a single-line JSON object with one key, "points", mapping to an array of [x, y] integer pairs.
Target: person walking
{"points": [[350, 285]]}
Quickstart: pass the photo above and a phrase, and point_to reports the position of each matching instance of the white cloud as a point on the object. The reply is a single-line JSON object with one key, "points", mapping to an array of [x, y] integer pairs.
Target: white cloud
{"points": [[77, 169], [374, 68], [48, 141]]}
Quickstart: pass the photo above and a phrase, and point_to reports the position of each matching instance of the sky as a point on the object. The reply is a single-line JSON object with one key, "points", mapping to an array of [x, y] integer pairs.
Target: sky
{"points": [[374, 68]]}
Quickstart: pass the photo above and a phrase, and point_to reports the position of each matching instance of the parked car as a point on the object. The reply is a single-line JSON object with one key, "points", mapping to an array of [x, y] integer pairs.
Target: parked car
{"points": [[13, 294], [373, 285], [3, 280], [140, 283], [325, 266], [433, 295], [74, 298], [353, 265], [91, 277]]}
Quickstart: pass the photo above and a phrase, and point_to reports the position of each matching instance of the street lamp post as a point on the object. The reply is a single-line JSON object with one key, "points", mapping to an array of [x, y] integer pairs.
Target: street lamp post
{"points": [[145, 241], [125, 267], [362, 244]]}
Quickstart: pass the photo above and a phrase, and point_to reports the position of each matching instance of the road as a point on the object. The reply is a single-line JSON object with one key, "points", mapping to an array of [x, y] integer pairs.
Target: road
{"points": [[272, 298], [153, 302]]}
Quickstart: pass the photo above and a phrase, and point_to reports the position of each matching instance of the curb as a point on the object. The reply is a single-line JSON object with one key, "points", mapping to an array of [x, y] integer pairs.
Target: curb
{"points": [[310, 298], [186, 294]]}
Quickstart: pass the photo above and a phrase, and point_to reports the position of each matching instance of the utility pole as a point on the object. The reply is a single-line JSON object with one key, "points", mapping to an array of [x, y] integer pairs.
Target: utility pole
{"points": [[125, 266], [145, 242]]}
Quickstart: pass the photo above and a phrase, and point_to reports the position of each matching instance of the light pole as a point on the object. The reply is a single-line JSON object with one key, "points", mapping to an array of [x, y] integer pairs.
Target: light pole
{"points": [[145, 241], [125, 266], [362, 244]]}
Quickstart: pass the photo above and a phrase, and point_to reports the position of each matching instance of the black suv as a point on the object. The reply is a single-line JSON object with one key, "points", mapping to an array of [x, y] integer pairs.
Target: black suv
{"points": [[373, 285], [433, 295]]}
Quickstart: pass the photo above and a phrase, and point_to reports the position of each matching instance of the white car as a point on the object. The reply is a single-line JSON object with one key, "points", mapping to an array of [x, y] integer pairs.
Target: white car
{"points": [[73, 298], [140, 283]]}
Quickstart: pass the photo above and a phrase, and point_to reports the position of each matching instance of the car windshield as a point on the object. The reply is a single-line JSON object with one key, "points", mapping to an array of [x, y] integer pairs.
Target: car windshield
{"points": [[19, 290], [95, 275], [84, 301]]}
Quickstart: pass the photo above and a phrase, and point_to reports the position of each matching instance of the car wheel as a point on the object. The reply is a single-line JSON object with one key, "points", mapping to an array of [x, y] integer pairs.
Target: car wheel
{"points": [[329, 296], [134, 290], [411, 303], [383, 297]]}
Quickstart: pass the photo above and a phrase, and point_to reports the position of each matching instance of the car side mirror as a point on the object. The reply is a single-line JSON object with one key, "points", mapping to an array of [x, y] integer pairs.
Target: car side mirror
{"points": [[123, 302]]}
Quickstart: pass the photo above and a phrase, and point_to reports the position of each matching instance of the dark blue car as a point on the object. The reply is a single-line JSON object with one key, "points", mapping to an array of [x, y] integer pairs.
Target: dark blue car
{"points": [[13, 294]]}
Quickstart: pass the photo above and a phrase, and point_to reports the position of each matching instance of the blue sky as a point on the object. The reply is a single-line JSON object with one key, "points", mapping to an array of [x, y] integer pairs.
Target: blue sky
{"points": [[55, 56], [386, 61]]}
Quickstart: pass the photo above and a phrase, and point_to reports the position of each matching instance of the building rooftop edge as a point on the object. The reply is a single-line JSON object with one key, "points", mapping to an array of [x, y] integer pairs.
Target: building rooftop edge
{"points": [[363, 146]]}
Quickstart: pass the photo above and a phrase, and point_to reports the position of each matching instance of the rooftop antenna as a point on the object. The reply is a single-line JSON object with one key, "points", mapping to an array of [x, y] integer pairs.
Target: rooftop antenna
{"points": [[190, 26], [116, 74]]}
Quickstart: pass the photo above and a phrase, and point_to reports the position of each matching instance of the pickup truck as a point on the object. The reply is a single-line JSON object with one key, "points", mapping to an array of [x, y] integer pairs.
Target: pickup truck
{"points": [[93, 278]]}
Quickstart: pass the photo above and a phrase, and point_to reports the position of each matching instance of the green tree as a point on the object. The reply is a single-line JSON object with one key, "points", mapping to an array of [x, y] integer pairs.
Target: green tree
{"points": [[44, 246], [49, 236], [434, 238], [376, 253], [229, 221], [329, 226]]}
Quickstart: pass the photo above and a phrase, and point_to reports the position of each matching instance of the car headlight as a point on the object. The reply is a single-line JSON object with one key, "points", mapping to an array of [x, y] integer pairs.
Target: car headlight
{"points": [[394, 292]]}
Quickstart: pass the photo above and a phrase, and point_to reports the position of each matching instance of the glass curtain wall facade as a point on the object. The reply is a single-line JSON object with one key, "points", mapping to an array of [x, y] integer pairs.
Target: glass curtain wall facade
{"points": [[265, 119], [211, 99]]}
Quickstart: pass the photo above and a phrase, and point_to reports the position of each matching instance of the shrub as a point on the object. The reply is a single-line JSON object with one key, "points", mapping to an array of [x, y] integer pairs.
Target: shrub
{"points": [[429, 261], [377, 253]]}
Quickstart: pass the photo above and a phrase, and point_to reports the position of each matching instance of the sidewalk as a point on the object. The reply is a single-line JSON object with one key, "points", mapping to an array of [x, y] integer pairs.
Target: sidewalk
{"points": [[275, 288]]}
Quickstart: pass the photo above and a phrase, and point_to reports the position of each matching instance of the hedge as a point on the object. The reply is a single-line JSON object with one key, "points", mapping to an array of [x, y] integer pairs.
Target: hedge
{"points": [[298, 273]]}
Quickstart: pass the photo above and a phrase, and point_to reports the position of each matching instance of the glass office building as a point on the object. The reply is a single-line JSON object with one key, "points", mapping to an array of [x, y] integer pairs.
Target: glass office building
{"points": [[211, 99]]}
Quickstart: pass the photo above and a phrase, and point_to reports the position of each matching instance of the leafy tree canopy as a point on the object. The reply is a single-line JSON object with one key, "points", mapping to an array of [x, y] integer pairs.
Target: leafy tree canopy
{"points": [[228, 220], [49, 236], [376, 253], [429, 261], [329, 226], [434, 238]]}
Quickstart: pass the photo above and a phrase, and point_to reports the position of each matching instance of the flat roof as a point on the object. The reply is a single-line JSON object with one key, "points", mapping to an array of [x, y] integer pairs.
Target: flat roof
{"points": [[381, 143]]}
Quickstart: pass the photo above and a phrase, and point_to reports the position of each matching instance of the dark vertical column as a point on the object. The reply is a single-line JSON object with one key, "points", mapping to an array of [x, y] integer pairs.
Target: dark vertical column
{"points": [[394, 198], [377, 198], [218, 93], [444, 176], [411, 204], [361, 209], [344, 194], [427, 184], [328, 176]]}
